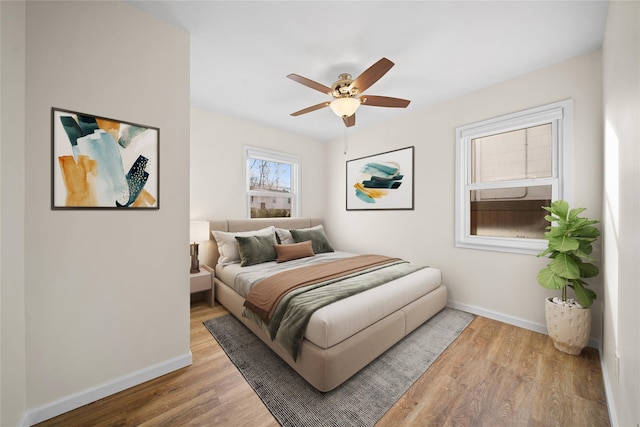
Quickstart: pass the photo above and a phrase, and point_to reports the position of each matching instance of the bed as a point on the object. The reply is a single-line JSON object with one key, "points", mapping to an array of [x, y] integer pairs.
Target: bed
{"points": [[341, 337]]}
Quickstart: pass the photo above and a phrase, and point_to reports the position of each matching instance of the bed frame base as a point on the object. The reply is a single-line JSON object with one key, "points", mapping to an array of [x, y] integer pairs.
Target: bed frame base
{"points": [[326, 369]]}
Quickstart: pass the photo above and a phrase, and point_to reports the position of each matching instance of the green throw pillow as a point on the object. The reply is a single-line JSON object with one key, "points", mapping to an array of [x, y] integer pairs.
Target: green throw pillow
{"points": [[319, 241], [256, 249]]}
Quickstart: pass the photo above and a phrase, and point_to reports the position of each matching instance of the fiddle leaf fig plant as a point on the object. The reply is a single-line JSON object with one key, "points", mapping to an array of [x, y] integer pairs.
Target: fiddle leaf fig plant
{"points": [[569, 247]]}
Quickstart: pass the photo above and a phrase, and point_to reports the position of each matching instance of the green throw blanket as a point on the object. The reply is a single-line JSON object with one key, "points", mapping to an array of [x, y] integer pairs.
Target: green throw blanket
{"points": [[292, 315]]}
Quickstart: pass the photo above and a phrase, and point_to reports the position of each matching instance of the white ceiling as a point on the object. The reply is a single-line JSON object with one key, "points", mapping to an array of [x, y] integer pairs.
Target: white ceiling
{"points": [[242, 51]]}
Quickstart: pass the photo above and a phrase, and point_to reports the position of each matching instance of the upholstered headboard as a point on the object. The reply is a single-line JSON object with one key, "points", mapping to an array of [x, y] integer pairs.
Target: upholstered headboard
{"points": [[235, 225]]}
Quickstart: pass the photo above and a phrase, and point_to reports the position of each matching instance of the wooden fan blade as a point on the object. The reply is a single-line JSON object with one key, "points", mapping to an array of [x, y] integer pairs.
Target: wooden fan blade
{"points": [[383, 101], [310, 109], [349, 121], [310, 83], [371, 75]]}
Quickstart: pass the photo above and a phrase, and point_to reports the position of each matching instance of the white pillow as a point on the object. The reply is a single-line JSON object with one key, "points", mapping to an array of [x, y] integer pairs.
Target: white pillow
{"points": [[228, 246], [285, 235]]}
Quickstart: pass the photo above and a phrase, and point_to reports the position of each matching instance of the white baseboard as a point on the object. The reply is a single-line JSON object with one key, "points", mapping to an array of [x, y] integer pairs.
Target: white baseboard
{"points": [[606, 378], [74, 401], [511, 320], [24, 422], [516, 321]]}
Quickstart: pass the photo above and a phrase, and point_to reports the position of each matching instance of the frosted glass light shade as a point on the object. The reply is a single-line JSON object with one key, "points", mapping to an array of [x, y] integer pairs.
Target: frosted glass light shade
{"points": [[344, 107], [199, 231]]}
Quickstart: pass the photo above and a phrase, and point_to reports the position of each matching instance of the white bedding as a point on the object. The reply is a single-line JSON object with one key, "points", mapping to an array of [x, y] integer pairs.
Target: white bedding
{"points": [[242, 279], [336, 322]]}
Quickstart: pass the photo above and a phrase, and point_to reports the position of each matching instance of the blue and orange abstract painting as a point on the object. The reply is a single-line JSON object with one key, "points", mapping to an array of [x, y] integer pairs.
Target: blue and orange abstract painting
{"points": [[102, 163], [382, 181]]}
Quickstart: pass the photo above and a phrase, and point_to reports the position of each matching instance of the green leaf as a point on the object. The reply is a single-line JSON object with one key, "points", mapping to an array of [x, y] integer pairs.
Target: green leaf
{"points": [[560, 208], [546, 252], [563, 244], [588, 270], [565, 266], [575, 212], [548, 279], [584, 295], [587, 231], [584, 251], [557, 231]]}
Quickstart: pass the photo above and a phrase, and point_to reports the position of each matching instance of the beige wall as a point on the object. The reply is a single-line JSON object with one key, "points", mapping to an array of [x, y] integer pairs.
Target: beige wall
{"points": [[106, 294], [621, 82], [499, 285], [12, 181], [217, 180]]}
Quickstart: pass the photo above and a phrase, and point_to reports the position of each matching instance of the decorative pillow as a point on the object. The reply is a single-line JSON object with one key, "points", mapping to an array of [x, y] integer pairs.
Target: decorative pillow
{"points": [[318, 238], [284, 236], [289, 252], [256, 249], [228, 246]]}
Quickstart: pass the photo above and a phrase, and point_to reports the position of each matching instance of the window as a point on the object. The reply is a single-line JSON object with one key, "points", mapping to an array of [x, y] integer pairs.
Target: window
{"points": [[507, 168], [271, 183]]}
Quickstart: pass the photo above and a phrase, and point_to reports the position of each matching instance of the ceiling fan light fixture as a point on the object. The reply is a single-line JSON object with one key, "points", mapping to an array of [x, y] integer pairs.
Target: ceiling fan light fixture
{"points": [[348, 94], [345, 107]]}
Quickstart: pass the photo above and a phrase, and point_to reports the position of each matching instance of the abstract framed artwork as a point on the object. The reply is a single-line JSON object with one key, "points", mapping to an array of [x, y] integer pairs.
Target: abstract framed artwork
{"points": [[102, 163], [383, 181]]}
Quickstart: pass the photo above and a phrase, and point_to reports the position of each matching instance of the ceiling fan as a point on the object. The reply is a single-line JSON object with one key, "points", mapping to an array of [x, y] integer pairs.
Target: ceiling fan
{"points": [[348, 94]]}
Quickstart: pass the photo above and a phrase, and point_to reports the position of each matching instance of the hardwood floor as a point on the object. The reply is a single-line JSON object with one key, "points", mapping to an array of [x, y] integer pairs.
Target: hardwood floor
{"points": [[494, 374]]}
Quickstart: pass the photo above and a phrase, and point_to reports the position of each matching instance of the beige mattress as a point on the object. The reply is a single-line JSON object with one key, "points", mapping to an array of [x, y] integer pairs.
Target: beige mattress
{"points": [[336, 322], [345, 336]]}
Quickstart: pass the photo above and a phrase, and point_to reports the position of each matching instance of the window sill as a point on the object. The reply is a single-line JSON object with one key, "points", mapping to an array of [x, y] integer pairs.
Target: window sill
{"points": [[519, 246]]}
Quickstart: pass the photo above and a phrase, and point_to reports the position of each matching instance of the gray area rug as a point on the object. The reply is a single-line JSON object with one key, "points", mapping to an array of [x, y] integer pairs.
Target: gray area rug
{"points": [[363, 399]]}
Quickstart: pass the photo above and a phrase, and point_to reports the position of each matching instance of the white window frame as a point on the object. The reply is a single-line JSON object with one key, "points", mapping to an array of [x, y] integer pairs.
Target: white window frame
{"points": [[560, 115], [273, 156]]}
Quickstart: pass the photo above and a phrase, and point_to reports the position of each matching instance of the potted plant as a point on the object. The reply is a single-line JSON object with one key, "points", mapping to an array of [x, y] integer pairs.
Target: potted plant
{"points": [[569, 247]]}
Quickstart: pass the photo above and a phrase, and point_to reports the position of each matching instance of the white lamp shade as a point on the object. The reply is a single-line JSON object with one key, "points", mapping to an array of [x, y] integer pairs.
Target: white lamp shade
{"points": [[345, 107], [199, 231]]}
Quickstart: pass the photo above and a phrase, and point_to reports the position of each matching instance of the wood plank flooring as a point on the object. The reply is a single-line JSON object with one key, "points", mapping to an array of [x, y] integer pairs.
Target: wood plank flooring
{"points": [[494, 374]]}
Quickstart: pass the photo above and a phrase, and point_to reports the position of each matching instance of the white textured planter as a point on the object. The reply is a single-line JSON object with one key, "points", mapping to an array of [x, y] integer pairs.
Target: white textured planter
{"points": [[568, 327]]}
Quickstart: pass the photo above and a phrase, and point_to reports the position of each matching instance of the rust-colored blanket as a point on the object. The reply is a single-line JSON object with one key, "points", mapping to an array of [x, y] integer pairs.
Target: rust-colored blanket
{"points": [[267, 293]]}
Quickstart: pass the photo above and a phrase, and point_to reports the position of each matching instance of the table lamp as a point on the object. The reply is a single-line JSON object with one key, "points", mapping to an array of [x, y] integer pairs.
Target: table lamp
{"points": [[198, 232]]}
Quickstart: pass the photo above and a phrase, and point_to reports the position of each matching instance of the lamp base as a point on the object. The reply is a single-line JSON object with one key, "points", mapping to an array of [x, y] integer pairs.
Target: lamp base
{"points": [[195, 264]]}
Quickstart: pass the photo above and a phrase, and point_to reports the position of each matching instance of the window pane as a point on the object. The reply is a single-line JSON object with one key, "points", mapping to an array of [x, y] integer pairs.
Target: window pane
{"points": [[520, 154], [508, 168], [271, 183], [510, 212], [268, 175], [270, 207]]}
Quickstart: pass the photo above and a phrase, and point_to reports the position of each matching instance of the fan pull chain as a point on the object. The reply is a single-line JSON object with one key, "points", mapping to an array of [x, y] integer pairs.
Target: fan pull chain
{"points": [[346, 141]]}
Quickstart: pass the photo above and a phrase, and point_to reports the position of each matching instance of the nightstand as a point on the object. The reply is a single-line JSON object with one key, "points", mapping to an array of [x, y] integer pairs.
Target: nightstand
{"points": [[202, 282]]}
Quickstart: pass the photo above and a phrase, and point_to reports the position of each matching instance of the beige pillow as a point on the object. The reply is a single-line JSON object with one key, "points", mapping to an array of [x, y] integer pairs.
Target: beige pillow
{"points": [[228, 246], [284, 236], [288, 252]]}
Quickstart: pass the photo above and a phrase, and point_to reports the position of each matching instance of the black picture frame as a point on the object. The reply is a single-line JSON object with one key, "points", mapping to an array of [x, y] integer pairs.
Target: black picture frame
{"points": [[383, 181], [103, 163]]}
